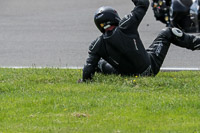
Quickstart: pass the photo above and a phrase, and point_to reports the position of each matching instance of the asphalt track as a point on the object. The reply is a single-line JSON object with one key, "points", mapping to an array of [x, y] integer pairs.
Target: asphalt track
{"points": [[57, 33]]}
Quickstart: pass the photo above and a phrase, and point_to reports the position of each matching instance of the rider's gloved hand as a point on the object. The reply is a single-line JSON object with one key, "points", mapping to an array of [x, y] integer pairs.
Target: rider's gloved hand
{"points": [[135, 1], [141, 2]]}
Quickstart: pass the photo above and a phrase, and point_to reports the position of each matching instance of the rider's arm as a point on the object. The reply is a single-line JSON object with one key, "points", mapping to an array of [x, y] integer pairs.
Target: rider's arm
{"points": [[132, 20], [91, 62]]}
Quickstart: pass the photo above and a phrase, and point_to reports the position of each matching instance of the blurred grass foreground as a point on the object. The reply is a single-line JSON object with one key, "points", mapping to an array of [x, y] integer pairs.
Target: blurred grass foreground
{"points": [[50, 100]]}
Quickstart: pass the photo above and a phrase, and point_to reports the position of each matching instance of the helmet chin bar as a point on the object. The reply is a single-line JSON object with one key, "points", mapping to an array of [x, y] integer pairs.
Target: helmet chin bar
{"points": [[106, 26]]}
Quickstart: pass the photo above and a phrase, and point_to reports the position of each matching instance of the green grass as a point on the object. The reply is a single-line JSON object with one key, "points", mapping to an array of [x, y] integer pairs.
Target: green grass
{"points": [[50, 100]]}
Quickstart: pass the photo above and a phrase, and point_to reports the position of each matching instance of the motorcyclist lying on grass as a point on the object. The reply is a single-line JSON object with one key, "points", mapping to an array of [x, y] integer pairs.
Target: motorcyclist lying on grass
{"points": [[119, 50]]}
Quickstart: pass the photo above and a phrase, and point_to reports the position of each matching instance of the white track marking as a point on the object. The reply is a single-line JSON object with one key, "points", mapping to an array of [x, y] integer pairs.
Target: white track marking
{"points": [[72, 67]]}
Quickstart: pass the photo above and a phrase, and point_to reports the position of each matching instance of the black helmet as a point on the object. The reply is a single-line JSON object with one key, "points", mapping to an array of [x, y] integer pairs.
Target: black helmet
{"points": [[105, 17]]}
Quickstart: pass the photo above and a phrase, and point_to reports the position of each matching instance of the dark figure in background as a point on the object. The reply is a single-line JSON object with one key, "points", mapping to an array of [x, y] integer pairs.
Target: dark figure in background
{"points": [[183, 14], [119, 50], [181, 17]]}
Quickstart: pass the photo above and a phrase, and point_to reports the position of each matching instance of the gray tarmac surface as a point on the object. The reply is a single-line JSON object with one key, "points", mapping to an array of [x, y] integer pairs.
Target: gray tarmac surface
{"points": [[57, 33]]}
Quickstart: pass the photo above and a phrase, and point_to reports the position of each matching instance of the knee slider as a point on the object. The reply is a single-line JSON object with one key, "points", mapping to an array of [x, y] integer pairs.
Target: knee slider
{"points": [[177, 32]]}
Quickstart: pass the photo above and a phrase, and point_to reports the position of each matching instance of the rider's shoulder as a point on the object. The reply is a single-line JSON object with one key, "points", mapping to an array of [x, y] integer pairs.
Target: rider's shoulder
{"points": [[94, 43]]}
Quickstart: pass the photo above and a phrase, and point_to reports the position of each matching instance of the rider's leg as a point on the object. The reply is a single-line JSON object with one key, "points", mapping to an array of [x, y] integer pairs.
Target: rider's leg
{"points": [[184, 40], [159, 48], [106, 68]]}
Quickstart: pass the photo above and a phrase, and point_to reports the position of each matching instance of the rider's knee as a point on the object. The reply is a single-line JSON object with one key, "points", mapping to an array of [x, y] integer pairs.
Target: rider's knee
{"points": [[177, 32], [166, 32]]}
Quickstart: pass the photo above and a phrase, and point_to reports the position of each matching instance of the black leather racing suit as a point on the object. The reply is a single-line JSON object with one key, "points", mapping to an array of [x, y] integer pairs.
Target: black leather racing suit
{"points": [[122, 49]]}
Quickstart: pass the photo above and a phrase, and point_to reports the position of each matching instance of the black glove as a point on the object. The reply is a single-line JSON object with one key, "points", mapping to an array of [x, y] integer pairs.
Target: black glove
{"points": [[135, 1]]}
